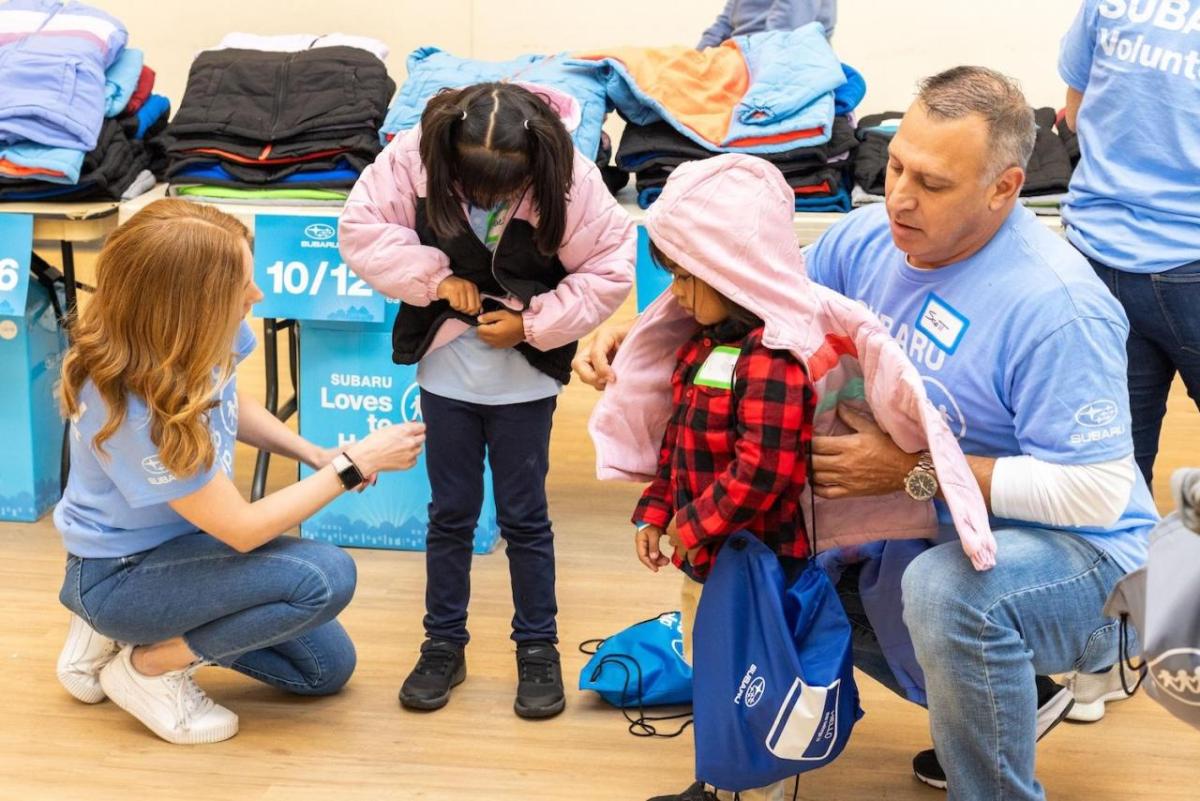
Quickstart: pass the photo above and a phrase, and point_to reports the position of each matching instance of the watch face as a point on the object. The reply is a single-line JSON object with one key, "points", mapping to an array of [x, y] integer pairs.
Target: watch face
{"points": [[921, 486]]}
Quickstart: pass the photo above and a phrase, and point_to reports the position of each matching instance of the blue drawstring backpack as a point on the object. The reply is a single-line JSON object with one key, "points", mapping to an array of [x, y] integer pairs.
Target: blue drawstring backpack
{"points": [[639, 667], [774, 685]]}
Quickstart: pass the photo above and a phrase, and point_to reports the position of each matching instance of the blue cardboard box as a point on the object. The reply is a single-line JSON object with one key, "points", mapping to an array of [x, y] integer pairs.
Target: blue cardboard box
{"points": [[348, 383], [31, 352]]}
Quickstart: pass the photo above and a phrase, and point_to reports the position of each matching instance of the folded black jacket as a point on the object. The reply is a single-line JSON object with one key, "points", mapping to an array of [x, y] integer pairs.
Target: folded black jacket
{"points": [[641, 145], [656, 178], [272, 96], [360, 143], [871, 159], [1049, 169], [107, 171]]}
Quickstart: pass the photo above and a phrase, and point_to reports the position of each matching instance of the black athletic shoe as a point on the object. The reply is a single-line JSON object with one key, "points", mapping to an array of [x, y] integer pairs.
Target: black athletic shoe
{"points": [[539, 681], [697, 792], [1054, 702], [441, 668]]}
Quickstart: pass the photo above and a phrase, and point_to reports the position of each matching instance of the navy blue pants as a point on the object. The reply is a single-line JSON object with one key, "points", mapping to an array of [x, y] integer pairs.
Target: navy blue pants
{"points": [[516, 440], [1164, 338]]}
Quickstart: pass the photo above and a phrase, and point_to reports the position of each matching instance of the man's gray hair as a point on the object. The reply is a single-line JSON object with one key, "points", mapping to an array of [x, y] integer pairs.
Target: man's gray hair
{"points": [[961, 91]]}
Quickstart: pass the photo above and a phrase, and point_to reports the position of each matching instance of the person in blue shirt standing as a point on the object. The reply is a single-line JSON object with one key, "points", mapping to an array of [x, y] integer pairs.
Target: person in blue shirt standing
{"points": [[1133, 72], [755, 16], [1022, 350]]}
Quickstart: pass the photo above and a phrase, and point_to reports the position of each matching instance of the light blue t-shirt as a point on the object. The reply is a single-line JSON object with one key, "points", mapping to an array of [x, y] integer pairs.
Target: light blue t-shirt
{"points": [[116, 502], [1134, 202], [468, 369], [1020, 346]]}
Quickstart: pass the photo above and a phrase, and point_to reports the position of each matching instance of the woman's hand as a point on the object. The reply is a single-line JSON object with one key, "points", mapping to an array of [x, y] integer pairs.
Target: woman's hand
{"points": [[462, 295], [394, 447], [593, 361]]}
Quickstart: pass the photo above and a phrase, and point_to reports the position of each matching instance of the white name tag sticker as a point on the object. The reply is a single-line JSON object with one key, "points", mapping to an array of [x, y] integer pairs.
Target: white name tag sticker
{"points": [[942, 323], [717, 370]]}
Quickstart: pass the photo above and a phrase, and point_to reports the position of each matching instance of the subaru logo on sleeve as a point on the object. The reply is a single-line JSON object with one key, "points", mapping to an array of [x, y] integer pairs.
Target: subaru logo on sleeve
{"points": [[754, 692], [153, 466], [320, 232], [1097, 413]]}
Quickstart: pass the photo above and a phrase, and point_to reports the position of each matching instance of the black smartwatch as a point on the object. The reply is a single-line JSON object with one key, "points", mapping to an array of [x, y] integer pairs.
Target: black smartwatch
{"points": [[347, 471]]}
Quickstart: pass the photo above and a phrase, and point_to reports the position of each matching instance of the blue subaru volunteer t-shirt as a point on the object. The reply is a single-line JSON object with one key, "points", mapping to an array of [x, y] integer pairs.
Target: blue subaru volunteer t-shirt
{"points": [[1133, 202], [1020, 346], [116, 501]]}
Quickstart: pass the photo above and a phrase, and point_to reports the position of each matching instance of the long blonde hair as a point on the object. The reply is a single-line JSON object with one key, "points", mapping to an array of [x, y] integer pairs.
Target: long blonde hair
{"points": [[161, 326]]}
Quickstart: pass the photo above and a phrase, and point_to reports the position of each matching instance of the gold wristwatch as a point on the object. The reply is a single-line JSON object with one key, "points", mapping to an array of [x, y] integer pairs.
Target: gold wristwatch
{"points": [[921, 483]]}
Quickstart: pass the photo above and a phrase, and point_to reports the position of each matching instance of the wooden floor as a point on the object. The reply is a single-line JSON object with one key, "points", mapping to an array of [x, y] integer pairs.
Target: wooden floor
{"points": [[362, 745]]}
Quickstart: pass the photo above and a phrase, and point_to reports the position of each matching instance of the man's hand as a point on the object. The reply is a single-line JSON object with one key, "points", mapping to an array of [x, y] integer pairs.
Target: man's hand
{"points": [[501, 329], [593, 361], [461, 293], [864, 463]]}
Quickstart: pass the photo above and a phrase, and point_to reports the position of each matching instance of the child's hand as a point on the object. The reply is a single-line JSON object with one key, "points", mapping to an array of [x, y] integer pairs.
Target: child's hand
{"points": [[677, 543], [501, 329], [462, 294], [646, 544]]}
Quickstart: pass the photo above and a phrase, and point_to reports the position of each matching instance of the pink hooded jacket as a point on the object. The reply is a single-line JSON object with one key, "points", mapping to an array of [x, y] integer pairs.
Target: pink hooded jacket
{"points": [[728, 221], [599, 245]]}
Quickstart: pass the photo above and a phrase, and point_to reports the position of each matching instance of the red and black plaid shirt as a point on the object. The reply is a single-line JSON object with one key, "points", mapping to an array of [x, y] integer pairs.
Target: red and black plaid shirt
{"points": [[734, 458]]}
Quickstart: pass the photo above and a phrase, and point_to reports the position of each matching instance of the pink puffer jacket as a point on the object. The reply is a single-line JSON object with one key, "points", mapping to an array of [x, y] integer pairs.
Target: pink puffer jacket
{"points": [[728, 221], [599, 246]]}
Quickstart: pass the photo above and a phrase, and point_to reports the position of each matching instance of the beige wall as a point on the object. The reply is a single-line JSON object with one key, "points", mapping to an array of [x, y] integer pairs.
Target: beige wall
{"points": [[892, 43]]}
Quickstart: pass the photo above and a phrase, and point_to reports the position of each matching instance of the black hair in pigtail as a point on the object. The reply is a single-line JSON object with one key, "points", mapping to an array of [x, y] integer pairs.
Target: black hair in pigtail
{"points": [[552, 165], [492, 142]]}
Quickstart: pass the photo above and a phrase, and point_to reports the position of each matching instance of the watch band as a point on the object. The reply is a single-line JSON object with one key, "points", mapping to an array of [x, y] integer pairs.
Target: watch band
{"points": [[347, 471]]}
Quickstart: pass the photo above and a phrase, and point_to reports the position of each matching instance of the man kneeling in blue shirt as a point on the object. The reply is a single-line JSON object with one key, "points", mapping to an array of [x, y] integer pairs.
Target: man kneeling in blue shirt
{"points": [[1023, 350]]}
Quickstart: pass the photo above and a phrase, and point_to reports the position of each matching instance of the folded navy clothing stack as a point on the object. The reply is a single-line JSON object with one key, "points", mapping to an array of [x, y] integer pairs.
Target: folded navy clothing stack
{"points": [[818, 174], [1047, 174]]}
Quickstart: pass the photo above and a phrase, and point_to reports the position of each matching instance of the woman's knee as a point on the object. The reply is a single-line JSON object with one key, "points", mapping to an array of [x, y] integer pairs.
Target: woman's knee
{"points": [[326, 576]]}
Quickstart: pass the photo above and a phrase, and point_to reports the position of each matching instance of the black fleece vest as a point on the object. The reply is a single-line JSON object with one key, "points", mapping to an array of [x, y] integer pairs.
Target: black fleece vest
{"points": [[517, 269]]}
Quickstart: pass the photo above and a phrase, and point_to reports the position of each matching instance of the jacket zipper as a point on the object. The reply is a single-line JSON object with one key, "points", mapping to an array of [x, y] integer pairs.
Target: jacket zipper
{"points": [[280, 85], [500, 241]]}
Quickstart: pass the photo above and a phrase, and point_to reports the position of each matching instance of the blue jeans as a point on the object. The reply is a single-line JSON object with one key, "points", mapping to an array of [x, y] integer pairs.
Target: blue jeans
{"points": [[980, 639], [516, 439], [1164, 338], [268, 614]]}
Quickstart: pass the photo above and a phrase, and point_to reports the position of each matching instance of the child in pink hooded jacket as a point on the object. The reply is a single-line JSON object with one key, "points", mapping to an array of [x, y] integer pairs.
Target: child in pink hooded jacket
{"points": [[505, 248]]}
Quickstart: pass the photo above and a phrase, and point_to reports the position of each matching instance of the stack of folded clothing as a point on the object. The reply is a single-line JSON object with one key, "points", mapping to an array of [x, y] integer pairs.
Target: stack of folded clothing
{"points": [[78, 117], [781, 95], [874, 133], [1047, 175], [289, 120], [818, 173]]}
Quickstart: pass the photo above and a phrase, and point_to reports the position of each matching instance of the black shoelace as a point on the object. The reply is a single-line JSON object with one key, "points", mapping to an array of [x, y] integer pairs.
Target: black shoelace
{"points": [[436, 662], [536, 669]]}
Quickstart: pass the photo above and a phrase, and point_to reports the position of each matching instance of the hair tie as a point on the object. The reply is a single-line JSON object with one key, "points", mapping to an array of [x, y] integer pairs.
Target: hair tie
{"points": [[527, 125]]}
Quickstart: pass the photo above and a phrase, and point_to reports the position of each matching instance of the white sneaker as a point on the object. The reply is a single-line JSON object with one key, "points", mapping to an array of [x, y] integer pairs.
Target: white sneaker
{"points": [[171, 705], [1094, 690], [84, 654]]}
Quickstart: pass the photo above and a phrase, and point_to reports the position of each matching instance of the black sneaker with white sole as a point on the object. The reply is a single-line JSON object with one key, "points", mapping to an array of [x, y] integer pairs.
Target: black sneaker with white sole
{"points": [[1054, 702], [539, 681], [441, 667]]}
